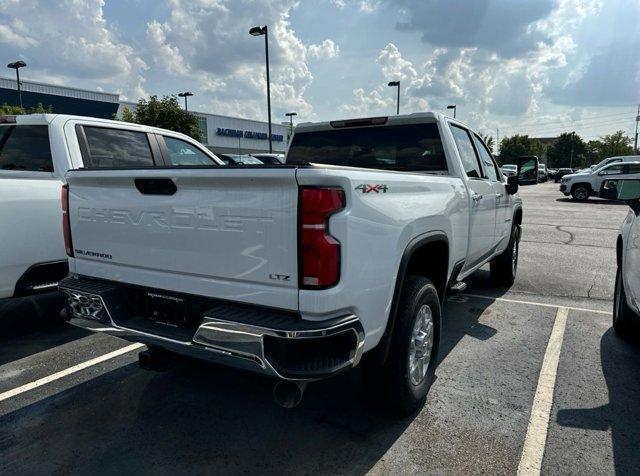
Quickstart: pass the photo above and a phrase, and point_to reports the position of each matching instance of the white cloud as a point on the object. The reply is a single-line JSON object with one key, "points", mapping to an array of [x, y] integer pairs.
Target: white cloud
{"points": [[325, 50], [365, 6], [394, 66], [71, 40], [204, 40], [167, 56]]}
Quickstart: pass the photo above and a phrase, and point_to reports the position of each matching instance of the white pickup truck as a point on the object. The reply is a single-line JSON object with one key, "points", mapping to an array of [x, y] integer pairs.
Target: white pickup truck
{"points": [[35, 153], [297, 270]]}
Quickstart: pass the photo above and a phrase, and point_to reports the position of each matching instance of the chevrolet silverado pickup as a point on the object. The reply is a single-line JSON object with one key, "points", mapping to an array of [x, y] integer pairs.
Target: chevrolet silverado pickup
{"points": [[35, 152], [297, 271]]}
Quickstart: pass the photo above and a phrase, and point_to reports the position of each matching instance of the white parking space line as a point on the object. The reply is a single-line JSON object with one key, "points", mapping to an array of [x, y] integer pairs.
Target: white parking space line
{"points": [[71, 370], [536, 438], [479, 296]]}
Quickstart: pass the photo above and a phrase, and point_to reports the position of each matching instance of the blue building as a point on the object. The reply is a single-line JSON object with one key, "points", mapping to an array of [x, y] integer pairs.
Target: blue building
{"points": [[62, 99]]}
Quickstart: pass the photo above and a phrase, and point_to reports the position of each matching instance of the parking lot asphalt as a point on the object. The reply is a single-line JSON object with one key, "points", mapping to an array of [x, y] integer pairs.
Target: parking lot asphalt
{"points": [[531, 378]]}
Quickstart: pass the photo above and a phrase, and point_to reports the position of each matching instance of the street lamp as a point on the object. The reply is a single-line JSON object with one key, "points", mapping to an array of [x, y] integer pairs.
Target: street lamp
{"points": [[17, 65], [290, 116], [185, 95], [259, 31], [454, 107], [397, 84]]}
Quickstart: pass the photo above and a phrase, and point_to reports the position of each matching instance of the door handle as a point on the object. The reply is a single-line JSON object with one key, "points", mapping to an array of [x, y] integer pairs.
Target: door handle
{"points": [[155, 186], [476, 198], [499, 195]]}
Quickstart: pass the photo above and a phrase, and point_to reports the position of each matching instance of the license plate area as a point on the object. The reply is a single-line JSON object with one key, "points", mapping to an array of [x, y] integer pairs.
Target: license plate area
{"points": [[166, 309]]}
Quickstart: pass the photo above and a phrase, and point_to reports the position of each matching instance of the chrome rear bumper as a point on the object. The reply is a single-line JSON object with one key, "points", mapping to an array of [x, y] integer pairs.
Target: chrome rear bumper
{"points": [[258, 340]]}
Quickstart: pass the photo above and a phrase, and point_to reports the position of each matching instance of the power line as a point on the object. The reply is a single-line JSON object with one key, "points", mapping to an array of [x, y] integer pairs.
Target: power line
{"points": [[554, 130], [563, 121]]}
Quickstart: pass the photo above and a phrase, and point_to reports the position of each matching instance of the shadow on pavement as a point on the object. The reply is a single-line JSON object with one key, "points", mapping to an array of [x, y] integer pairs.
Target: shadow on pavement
{"points": [[200, 418], [31, 324], [206, 418], [592, 200], [621, 369]]}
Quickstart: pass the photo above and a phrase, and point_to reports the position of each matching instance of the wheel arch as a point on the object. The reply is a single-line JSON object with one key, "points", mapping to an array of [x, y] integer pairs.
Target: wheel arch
{"points": [[517, 216], [426, 256], [619, 250]]}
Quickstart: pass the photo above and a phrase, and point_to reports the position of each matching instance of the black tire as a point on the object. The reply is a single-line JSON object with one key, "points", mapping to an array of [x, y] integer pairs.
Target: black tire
{"points": [[580, 193], [504, 267], [392, 382], [624, 319]]}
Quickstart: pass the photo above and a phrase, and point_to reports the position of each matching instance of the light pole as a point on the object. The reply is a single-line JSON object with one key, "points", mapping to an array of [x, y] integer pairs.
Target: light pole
{"points": [[259, 31], [635, 142], [454, 107], [290, 116], [185, 95], [397, 84], [17, 65]]}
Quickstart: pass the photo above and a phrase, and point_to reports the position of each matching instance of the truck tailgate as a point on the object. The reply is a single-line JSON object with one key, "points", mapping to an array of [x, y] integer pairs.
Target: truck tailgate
{"points": [[224, 233]]}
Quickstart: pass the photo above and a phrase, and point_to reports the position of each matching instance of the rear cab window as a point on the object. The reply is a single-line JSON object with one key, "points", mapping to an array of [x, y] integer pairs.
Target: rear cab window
{"points": [[25, 148], [108, 147], [407, 147]]}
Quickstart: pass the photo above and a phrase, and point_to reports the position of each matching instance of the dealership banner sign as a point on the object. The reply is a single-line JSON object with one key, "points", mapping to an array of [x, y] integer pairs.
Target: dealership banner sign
{"points": [[248, 134]]}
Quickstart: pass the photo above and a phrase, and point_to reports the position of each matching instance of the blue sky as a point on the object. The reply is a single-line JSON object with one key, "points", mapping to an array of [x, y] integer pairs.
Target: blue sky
{"points": [[530, 66]]}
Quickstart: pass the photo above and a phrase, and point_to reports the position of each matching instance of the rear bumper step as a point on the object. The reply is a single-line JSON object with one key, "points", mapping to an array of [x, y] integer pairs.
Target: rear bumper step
{"points": [[265, 341]]}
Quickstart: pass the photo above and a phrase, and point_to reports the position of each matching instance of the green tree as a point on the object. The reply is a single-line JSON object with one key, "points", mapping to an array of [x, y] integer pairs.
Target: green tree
{"points": [[165, 113], [567, 151], [537, 148], [593, 152], [614, 144], [513, 147], [610, 145], [7, 109]]}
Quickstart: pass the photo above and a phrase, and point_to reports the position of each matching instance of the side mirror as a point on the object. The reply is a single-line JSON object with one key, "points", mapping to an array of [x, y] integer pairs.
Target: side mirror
{"points": [[512, 185], [622, 191], [528, 170]]}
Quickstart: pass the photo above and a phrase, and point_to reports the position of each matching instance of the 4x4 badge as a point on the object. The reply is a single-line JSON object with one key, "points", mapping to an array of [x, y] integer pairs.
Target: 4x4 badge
{"points": [[376, 188]]}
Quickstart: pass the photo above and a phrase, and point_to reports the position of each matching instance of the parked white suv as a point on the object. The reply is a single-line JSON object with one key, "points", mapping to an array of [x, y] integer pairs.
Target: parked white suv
{"points": [[297, 271], [35, 153], [626, 303], [583, 185]]}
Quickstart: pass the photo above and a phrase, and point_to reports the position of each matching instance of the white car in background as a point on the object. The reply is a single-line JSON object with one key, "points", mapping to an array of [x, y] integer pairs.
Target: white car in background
{"points": [[626, 302], [542, 173], [509, 169], [583, 185], [611, 160]]}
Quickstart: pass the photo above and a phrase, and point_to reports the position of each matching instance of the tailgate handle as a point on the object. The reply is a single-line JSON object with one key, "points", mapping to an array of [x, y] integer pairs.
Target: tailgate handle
{"points": [[155, 186]]}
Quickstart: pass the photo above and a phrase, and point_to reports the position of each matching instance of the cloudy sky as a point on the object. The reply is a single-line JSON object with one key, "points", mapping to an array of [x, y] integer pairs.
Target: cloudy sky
{"points": [[529, 66]]}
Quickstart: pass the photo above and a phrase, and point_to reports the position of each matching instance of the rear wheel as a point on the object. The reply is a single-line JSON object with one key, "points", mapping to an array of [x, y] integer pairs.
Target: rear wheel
{"points": [[624, 319], [580, 193], [504, 266], [408, 372]]}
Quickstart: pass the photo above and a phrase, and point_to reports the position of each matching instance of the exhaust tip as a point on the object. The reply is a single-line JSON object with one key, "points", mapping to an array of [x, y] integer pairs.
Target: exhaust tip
{"points": [[288, 394]]}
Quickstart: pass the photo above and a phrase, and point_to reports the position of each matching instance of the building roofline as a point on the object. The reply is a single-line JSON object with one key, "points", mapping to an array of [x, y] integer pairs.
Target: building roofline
{"points": [[115, 96]]}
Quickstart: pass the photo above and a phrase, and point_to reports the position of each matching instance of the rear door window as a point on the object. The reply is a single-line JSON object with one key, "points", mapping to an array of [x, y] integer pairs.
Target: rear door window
{"points": [[410, 148], [490, 168], [116, 148], [466, 151], [182, 153], [25, 148]]}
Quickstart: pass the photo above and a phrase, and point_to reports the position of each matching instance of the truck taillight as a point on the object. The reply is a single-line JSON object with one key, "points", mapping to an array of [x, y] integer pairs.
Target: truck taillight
{"points": [[66, 226], [319, 251]]}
